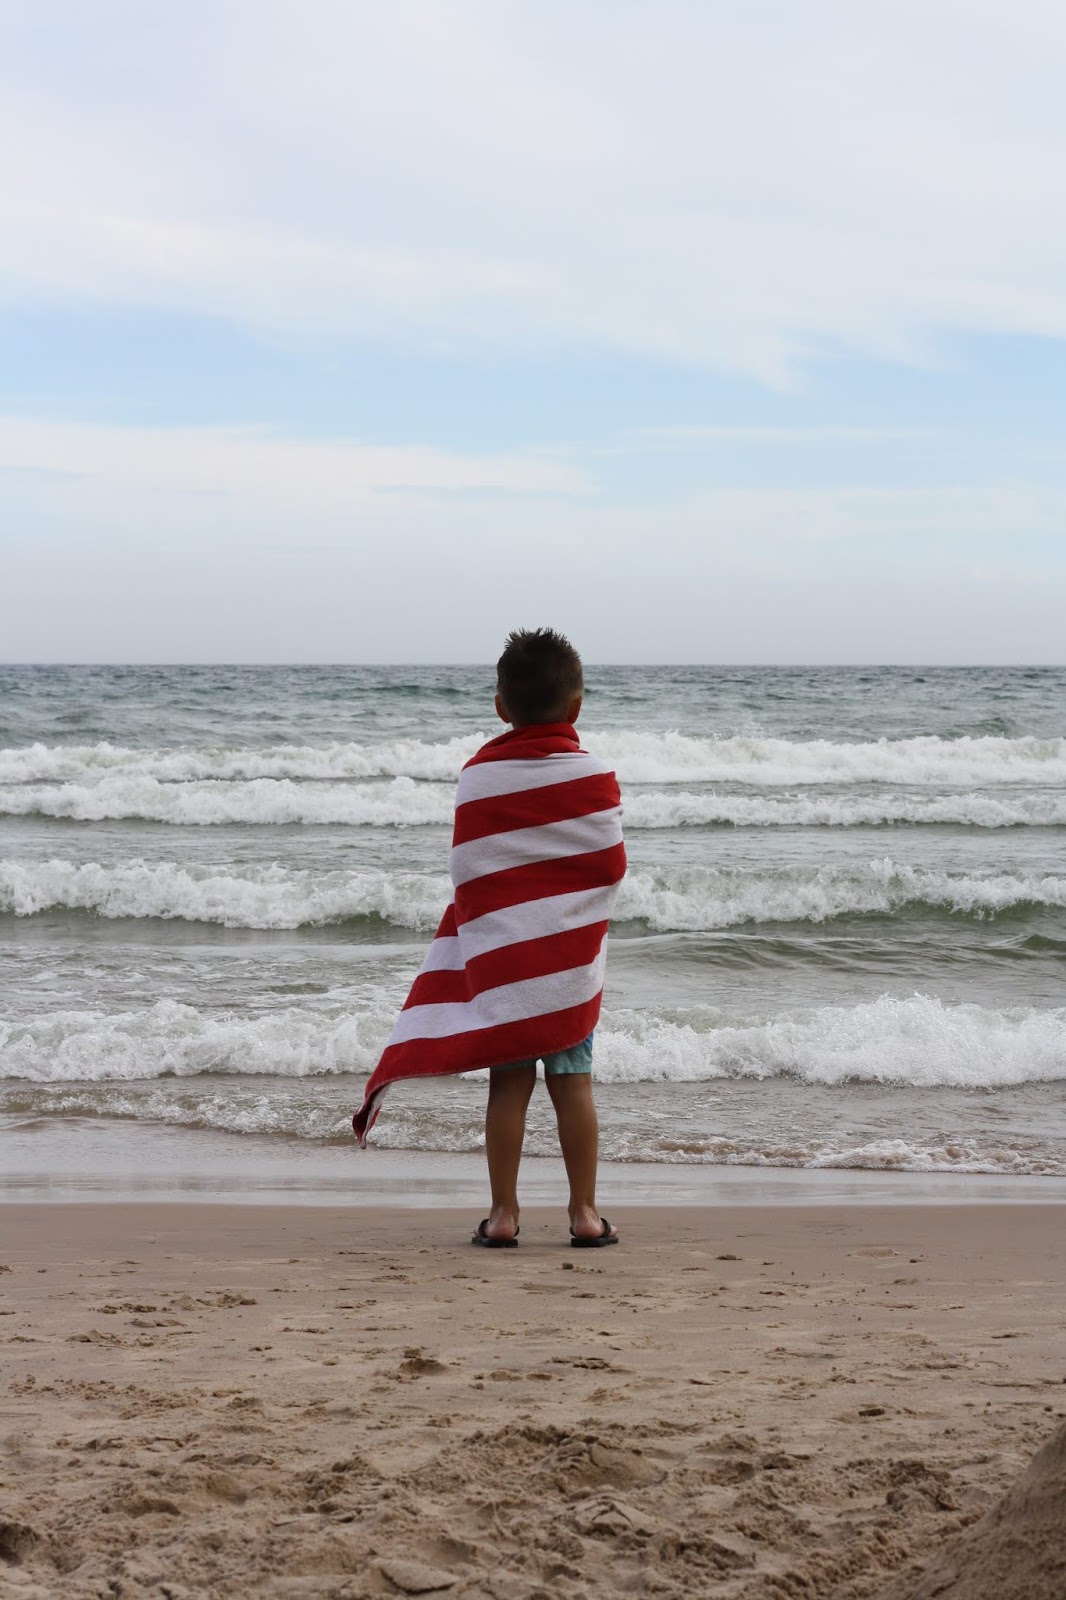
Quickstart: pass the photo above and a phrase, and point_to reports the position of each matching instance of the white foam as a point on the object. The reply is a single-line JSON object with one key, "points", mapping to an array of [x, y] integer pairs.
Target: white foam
{"points": [[228, 1110], [448, 1117], [756, 762], [403, 802], [404, 758], [964, 1156], [916, 1041], [702, 899], [170, 1039], [638, 757], [255, 897], [119, 796], [680, 899], [674, 809]]}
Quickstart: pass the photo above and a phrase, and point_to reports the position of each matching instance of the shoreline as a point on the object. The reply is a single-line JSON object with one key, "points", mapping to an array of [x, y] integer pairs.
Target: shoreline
{"points": [[355, 1402], [93, 1161]]}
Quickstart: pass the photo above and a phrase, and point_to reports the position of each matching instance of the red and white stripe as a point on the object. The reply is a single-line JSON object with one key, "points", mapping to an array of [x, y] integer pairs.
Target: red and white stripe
{"points": [[516, 968]]}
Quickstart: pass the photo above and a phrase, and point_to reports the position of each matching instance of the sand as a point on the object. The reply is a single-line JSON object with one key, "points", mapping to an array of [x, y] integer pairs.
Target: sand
{"points": [[767, 1402], [1019, 1548]]}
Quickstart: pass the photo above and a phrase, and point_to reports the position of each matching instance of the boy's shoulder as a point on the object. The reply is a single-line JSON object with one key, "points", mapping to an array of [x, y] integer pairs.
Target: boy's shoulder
{"points": [[540, 741], [543, 758]]}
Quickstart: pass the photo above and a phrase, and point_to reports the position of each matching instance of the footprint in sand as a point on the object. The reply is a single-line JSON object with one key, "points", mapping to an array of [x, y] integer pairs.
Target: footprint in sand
{"points": [[17, 1539]]}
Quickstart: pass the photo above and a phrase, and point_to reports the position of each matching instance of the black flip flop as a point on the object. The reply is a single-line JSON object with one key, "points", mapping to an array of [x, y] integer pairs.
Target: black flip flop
{"points": [[606, 1237], [481, 1237]]}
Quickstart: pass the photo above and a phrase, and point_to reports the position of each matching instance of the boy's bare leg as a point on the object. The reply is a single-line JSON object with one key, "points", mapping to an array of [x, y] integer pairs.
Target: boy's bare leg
{"points": [[579, 1139], [505, 1128]]}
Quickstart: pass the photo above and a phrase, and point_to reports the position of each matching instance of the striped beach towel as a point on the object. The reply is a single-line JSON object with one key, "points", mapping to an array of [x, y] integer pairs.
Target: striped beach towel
{"points": [[516, 968]]}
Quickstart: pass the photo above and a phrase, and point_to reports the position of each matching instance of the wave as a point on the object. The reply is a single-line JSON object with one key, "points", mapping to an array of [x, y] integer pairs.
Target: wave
{"points": [[917, 1041], [675, 900], [271, 801], [638, 757], [405, 802], [169, 1039], [338, 761], [684, 810], [1000, 1158], [758, 762], [258, 897], [703, 899], [449, 1119]]}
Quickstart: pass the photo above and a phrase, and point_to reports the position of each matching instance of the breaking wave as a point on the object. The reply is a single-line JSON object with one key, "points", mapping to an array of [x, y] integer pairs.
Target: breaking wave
{"points": [[679, 899], [258, 897], [405, 803], [638, 757], [918, 1041]]}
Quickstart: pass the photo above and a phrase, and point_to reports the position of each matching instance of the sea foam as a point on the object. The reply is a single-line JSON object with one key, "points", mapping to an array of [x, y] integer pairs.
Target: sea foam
{"points": [[198, 803], [638, 757], [406, 803], [917, 1041], [170, 1039], [702, 899], [676, 899], [449, 1117], [255, 897]]}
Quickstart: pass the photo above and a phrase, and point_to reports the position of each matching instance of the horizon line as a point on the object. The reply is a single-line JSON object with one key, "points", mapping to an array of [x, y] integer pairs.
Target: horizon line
{"points": [[716, 666]]}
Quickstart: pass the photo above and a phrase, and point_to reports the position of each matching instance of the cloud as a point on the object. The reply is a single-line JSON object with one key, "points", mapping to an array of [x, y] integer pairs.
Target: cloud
{"points": [[262, 473], [240, 544], [685, 435], [717, 186], [267, 478], [707, 186]]}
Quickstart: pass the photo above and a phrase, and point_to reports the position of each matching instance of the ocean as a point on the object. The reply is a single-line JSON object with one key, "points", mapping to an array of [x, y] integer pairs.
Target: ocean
{"points": [[841, 942]]}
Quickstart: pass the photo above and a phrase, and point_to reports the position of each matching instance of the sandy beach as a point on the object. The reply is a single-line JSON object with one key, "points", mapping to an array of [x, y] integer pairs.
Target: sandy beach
{"points": [[745, 1401]]}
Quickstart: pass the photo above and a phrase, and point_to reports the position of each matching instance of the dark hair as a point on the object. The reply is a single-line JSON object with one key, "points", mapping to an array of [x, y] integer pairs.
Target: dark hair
{"points": [[538, 676]]}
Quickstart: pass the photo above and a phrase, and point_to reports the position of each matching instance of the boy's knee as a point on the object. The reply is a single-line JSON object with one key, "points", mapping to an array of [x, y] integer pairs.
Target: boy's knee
{"points": [[568, 1088]]}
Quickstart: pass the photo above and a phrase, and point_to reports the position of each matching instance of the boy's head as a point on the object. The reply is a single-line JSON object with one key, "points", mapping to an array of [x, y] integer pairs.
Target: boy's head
{"points": [[538, 678]]}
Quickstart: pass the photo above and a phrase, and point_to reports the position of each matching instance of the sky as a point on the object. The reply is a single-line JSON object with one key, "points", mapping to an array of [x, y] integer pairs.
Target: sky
{"points": [[334, 330]]}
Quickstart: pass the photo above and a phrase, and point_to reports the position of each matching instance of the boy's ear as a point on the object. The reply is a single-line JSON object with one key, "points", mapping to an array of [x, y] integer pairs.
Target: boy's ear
{"points": [[501, 710], [574, 709]]}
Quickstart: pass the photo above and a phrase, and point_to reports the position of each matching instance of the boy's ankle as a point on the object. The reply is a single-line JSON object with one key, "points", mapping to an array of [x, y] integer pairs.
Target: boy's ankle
{"points": [[502, 1222], [585, 1217]]}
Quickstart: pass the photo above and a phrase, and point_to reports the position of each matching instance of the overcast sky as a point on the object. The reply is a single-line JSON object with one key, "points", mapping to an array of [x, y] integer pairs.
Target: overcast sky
{"points": [[347, 331]]}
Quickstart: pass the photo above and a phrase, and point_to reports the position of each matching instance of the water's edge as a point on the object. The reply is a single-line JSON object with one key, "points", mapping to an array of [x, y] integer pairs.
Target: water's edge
{"points": [[114, 1162]]}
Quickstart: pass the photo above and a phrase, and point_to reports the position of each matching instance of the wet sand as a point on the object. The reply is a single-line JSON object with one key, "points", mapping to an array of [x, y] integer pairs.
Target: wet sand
{"points": [[745, 1401]]}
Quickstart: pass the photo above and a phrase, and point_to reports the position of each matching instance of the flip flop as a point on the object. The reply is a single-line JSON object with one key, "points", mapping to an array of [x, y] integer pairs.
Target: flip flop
{"points": [[481, 1237], [606, 1237]]}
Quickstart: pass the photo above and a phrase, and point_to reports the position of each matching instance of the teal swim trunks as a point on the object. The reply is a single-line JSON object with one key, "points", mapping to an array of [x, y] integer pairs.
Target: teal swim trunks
{"points": [[577, 1059]]}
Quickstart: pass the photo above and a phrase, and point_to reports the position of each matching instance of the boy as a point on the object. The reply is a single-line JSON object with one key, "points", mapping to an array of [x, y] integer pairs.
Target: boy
{"points": [[515, 973]]}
